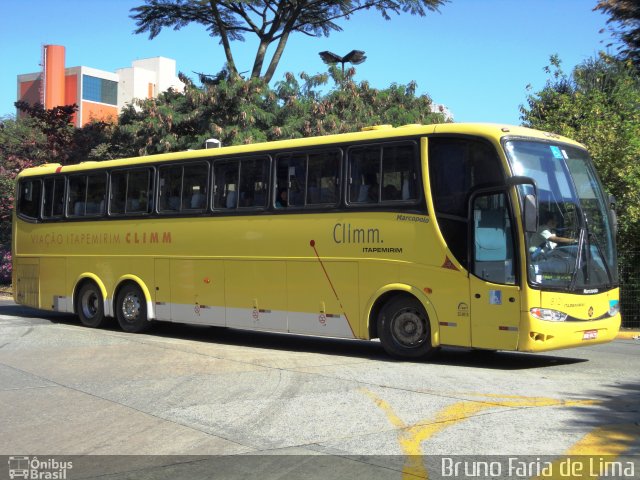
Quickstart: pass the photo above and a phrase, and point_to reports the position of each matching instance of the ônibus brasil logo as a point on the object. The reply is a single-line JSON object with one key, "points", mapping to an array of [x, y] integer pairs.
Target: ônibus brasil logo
{"points": [[33, 468]]}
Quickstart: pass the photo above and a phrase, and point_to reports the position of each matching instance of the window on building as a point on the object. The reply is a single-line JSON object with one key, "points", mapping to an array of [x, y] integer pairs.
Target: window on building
{"points": [[100, 90]]}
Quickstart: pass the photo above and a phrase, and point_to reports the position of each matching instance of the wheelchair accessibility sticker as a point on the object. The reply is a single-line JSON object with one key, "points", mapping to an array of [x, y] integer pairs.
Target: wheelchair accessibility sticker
{"points": [[495, 297]]}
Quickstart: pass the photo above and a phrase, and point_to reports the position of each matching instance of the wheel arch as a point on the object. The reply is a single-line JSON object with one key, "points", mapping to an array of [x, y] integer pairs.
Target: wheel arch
{"points": [[125, 279], [385, 294], [93, 278]]}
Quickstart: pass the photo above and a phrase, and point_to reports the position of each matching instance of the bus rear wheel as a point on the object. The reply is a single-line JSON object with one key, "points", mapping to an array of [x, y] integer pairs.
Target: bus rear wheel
{"points": [[90, 306], [131, 309], [404, 328]]}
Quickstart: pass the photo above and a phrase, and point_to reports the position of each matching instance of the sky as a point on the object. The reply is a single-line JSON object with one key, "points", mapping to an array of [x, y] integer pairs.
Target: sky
{"points": [[476, 57]]}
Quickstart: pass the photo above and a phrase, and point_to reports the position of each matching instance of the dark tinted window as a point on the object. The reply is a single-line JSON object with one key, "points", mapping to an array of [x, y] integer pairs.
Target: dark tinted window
{"points": [[183, 188], [53, 202], [29, 198], [383, 174], [323, 178], [241, 183], [130, 191], [307, 179], [87, 194], [456, 166]]}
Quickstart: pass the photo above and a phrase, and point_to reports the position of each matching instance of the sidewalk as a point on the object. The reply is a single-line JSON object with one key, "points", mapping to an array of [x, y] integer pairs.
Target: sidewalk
{"points": [[627, 334]]}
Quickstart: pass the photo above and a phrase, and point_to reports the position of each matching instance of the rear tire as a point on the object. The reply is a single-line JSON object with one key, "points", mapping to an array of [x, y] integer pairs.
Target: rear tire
{"points": [[90, 306], [404, 328], [131, 309]]}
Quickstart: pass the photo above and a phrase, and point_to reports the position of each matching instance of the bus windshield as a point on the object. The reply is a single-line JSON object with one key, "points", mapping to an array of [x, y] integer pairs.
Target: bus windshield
{"points": [[573, 248]]}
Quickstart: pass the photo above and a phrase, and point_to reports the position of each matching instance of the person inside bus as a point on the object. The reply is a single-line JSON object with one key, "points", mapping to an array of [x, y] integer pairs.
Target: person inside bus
{"points": [[390, 192], [368, 192], [281, 199], [198, 198], [545, 239]]}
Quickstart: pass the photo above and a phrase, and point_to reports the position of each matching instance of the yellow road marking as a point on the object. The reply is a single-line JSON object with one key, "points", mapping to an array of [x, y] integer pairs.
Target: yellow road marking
{"points": [[410, 437], [588, 458]]}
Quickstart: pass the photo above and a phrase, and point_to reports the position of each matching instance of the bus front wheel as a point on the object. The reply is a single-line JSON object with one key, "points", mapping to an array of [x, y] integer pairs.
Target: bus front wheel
{"points": [[131, 309], [404, 329], [90, 306]]}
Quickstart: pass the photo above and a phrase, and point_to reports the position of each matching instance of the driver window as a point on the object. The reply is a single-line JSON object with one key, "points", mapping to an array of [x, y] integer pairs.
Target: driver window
{"points": [[493, 252]]}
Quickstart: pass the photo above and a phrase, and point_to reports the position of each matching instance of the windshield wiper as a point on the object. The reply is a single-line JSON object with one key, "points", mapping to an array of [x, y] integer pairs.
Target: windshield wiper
{"points": [[577, 266]]}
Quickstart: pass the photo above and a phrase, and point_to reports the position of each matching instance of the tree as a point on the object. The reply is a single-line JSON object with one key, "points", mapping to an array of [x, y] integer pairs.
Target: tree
{"points": [[56, 123], [599, 106], [238, 111], [22, 145], [626, 15], [272, 22]]}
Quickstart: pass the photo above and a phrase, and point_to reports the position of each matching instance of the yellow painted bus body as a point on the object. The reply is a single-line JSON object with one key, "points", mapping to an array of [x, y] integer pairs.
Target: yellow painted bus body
{"points": [[323, 273]]}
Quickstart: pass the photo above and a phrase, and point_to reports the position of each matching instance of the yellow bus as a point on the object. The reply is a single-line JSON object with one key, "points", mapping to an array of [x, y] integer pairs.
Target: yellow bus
{"points": [[474, 235]]}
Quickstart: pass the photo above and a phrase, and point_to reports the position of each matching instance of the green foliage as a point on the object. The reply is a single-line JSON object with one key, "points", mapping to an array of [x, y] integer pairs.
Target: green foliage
{"points": [[22, 144], [624, 17], [599, 106], [236, 111], [56, 124]]}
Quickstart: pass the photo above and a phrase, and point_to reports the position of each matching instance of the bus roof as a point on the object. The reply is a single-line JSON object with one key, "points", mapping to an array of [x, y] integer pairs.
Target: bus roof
{"points": [[378, 132]]}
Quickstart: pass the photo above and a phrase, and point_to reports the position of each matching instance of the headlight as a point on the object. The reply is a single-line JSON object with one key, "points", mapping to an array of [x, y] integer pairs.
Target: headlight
{"points": [[548, 314]]}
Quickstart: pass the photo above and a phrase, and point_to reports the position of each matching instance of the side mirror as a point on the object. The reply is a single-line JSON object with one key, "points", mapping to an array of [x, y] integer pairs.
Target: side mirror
{"points": [[530, 213]]}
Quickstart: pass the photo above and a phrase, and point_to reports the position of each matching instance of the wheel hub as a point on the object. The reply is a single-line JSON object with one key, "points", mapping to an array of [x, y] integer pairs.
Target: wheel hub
{"points": [[131, 307], [409, 328], [90, 304]]}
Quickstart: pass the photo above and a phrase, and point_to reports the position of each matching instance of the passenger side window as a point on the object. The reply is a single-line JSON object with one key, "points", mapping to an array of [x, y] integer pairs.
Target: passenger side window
{"points": [[29, 198], [170, 188], [307, 179], [130, 192], [291, 184], [53, 202], [87, 194], [226, 175], [323, 179], [183, 188], [383, 174], [241, 183]]}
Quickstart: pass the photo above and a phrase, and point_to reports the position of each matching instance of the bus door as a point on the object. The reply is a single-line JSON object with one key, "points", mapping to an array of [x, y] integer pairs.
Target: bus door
{"points": [[495, 295]]}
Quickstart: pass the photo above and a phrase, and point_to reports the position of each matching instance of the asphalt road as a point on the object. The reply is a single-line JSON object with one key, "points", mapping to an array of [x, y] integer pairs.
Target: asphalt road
{"points": [[284, 406]]}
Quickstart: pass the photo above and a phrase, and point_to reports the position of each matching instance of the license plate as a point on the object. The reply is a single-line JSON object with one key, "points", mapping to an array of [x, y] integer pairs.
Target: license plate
{"points": [[590, 335]]}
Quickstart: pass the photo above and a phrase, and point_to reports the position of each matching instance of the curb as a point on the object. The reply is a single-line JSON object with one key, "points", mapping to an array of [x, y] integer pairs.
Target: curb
{"points": [[629, 335]]}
